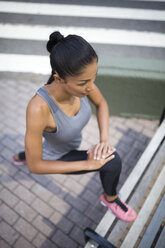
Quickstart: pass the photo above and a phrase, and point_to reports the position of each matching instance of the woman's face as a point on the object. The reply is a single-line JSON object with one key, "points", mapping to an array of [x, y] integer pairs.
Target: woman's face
{"points": [[83, 84]]}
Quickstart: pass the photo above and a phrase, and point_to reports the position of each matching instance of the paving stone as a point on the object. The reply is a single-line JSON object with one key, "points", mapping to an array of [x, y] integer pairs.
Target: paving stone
{"points": [[41, 192], [132, 123], [92, 140], [25, 211], [123, 148], [8, 142], [148, 132], [94, 214], [89, 196], [20, 140], [152, 124], [94, 187], [8, 233], [77, 234], [1, 159], [84, 145], [1, 118], [133, 157], [25, 169], [39, 240], [59, 204], [7, 154], [23, 243], [23, 227], [9, 198], [60, 178], [93, 226], [85, 179], [1, 187], [56, 189], [18, 166], [73, 186], [8, 131], [127, 139], [113, 141], [19, 148], [3, 244], [118, 126], [8, 167], [24, 179], [20, 129], [77, 178], [76, 202], [118, 135], [42, 225], [41, 179], [8, 214], [113, 131], [42, 208], [78, 219], [62, 240], [118, 119], [10, 115], [132, 133], [122, 179], [143, 139], [61, 222], [96, 177], [49, 244], [8, 182], [25, 194], [101, 208]]}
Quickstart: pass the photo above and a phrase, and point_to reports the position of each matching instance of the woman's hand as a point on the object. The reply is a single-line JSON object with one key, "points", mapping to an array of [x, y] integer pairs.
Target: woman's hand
{"points": [[99, 155], [101, 150]]}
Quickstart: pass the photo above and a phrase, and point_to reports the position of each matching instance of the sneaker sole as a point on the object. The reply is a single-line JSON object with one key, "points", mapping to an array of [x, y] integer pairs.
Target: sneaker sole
{"points": [[18, 163]]}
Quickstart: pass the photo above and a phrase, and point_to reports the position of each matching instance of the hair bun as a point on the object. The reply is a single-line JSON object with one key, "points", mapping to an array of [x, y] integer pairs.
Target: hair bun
{"points": [[54, 38]]}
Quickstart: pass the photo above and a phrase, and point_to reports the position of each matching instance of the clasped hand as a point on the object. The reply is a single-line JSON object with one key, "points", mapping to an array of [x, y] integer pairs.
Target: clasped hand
{"points": [[100, 154]]}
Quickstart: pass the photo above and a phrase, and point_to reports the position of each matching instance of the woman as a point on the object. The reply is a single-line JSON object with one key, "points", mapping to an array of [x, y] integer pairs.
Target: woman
{"points": [[60, 110]]}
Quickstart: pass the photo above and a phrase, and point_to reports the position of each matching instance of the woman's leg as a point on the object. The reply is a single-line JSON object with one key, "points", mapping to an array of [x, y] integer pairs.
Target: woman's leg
{"points": [[109, 175]]}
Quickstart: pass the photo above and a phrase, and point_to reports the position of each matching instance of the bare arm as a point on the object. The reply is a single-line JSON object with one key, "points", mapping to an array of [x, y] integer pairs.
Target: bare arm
{"points": [[36, 117], [102, 112]]}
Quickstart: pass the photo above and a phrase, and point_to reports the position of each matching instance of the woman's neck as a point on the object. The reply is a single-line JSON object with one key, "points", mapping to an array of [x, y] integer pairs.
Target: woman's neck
{"points": [[59, 94]]}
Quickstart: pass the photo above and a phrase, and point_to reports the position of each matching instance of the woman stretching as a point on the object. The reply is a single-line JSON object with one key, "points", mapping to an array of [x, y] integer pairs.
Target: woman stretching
{"points": [[60, 110]]}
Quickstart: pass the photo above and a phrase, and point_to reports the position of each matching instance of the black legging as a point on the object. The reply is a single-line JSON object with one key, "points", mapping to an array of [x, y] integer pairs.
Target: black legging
{"points": [[109, 173]]}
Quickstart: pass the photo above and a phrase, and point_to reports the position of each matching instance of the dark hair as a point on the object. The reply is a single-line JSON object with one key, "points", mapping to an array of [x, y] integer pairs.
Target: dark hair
{"points": [[69, 55]]}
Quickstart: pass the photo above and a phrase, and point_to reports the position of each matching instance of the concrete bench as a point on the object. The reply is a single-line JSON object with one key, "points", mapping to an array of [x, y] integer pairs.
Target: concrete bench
{"points": [[144, 190]]}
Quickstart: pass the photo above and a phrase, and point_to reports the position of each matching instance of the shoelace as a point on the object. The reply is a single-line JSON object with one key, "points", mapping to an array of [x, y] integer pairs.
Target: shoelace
{"points": [[119, 203]]}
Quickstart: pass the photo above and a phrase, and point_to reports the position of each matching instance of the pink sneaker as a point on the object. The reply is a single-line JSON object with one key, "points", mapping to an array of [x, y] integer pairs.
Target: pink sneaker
{"points": [[18, 162], [120, 209]]}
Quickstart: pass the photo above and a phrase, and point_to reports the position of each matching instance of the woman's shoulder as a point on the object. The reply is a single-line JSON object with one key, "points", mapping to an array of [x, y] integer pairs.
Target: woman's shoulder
{"points": [[37, 106]]}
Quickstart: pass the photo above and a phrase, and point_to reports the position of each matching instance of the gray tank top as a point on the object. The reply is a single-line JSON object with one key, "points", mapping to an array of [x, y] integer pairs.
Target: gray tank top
{"points": [[67, 136]]}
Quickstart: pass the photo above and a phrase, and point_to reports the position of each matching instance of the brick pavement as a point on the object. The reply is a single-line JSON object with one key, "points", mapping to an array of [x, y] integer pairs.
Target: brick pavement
{"points": [[47, 211]]}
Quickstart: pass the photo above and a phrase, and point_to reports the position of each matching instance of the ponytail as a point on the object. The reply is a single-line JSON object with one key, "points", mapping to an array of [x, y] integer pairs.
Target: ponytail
{"points": [[69, 55]]}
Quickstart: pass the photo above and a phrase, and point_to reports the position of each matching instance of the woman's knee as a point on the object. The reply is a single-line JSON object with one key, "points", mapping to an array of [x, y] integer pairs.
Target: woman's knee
{"points": [[114, 165]]}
